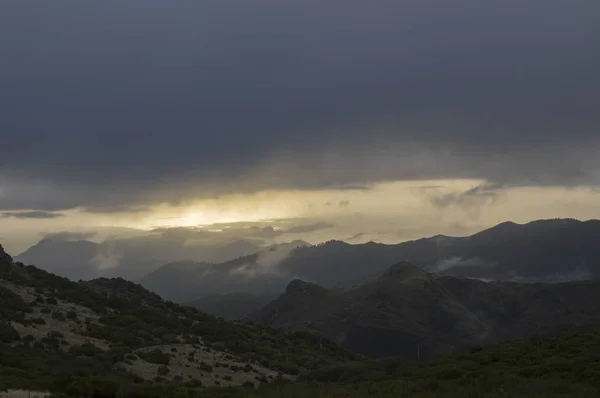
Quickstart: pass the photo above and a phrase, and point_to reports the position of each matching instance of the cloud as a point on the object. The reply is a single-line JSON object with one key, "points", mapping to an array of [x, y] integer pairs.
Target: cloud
{"points": [[118, 208], [353, 187], [31, 214], [477, 195], [107, 256], [204, 98], [470, 201], [308, 228], [448, 263], [69, 236], [355, 237]]}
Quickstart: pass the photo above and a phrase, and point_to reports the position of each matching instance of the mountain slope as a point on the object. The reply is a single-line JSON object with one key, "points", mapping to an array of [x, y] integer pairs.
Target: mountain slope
{"points": [[255, 274], [558, 365], [111, 334], [544, 250], [232, 306], [540, 251], [410, 312], [130, 258]]}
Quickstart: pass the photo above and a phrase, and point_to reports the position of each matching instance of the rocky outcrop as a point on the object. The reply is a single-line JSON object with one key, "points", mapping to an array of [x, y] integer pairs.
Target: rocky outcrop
{"points": [[6, 260]]}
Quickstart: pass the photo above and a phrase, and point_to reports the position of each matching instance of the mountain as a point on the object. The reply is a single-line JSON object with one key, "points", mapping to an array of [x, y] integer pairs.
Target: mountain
{"points": [[71, 259], [232, 306], [410, 312], [254, 274], [111, 337], [129, 258], [541, 251]]}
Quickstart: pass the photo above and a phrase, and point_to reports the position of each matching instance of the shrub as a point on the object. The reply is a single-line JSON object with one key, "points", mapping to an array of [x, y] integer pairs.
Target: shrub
{"points": [[28, 339], [206, 367], [8, 333], [163, 370], [155, 356], [59, 316]]}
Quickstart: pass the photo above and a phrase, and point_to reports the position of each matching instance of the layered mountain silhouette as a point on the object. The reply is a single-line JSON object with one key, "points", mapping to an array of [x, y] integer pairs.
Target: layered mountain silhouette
{"points": [[410, 312], [256, 274], [541, 251], [129, 258]]}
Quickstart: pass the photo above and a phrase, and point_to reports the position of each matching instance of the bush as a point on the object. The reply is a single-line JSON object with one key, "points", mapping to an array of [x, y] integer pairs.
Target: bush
{"points": [[155, 356], [59, 316], [46, 310], [8, 333], [71, 315], [28, 339], [51, 301], [206, 367], [163, 370]]}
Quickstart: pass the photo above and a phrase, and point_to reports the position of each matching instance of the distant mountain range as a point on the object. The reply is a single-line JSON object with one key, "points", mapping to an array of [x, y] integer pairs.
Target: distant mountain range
{"points": [[256, 274], [410, 312], [541, 251], [129, 258]]}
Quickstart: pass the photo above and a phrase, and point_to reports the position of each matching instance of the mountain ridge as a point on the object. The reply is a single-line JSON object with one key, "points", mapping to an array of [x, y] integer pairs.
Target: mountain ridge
{"points": [[408, 307]]}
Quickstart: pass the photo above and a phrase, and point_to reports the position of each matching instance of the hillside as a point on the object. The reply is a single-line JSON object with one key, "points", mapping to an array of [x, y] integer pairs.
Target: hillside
{"points": [[541, 251], [233, 306], [410, 312], [112, 335], [558, 365], [255, 274]]}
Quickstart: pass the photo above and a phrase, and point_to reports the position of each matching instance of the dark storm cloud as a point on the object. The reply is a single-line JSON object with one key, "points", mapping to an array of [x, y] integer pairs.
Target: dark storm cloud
{"points": [[116, 209], [110, 104], [31, 214]]}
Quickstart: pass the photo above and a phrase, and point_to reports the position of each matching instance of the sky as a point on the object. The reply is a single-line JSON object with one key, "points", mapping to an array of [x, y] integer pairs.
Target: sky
{"points": [[384, 120]]}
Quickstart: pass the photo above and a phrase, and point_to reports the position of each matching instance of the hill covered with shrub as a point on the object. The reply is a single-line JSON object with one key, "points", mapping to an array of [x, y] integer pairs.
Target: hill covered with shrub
{"points": [[111, 337]]}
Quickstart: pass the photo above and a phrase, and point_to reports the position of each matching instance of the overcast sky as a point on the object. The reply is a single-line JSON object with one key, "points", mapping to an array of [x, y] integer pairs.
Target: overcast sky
{"points": [[129, 113]]}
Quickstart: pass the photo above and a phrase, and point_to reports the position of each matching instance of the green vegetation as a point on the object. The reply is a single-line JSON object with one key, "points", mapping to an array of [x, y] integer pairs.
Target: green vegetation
{"points": [[130, 318], [560, 365], [155, 356]]}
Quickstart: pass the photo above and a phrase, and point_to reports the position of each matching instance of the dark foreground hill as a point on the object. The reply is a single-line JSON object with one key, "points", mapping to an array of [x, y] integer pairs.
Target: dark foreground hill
{"points": [[549, 251], [111, 337], [558, 365], [409, 312]]}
